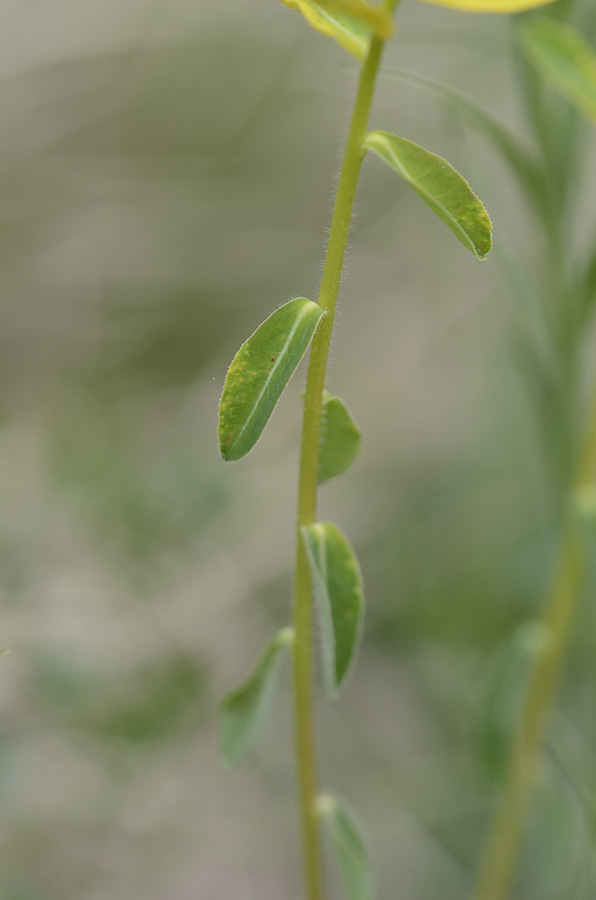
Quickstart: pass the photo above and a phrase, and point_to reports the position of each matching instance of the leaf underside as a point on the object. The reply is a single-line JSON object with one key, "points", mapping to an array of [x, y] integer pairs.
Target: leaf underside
{"points": [[440, 186], [340, 439], [349, 849], [243, 712], [259, 373], [564, 58], [337, 584]]}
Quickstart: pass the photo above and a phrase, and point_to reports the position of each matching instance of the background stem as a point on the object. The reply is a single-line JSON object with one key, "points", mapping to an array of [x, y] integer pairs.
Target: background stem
{"points": [[504, 840], [309, 456]]}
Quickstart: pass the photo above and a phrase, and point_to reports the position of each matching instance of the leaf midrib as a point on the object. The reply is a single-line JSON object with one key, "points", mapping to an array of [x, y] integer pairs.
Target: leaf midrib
{"points": [[281, 355]]}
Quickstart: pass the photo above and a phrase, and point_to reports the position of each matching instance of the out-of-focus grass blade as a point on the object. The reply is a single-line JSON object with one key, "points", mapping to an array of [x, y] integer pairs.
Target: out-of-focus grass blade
{"points": [[521, 162], [375, 16], [564, 59], [349, 22], [349, 849], [490, 6], [259, 373], [338, 587], [589, 284], [243, 713], [340, 440], [585, 505], [441, 187], [503, 698]]}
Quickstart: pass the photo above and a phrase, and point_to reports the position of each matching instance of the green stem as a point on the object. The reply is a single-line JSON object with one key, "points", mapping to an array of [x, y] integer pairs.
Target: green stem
{"points": [[309, 456], [504, 840]]}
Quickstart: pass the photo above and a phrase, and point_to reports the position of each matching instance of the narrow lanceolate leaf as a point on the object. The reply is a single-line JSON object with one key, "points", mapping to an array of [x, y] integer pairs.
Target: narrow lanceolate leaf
{"points": [[446, 192], [338, 588], [502, 699], [349, 849], [349, 22], [243, 713], [490, 6], [564, 58], [260, 371], [340, 439]]}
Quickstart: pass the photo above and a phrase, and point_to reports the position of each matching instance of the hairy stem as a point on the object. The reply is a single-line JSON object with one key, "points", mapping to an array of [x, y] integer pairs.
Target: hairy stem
{"points": [[504, 840], [309, 455]]}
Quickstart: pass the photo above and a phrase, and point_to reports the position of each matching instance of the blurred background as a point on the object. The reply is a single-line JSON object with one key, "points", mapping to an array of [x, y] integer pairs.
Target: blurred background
{"points": [[166, 174]]}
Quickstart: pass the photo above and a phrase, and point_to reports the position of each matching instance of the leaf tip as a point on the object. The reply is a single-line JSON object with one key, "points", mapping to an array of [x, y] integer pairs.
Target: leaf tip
{"points": [[286, 637], [325, 806]]}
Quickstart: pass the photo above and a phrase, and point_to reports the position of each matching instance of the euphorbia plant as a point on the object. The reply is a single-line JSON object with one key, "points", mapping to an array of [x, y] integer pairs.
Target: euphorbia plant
{"points": [[326, 567]]}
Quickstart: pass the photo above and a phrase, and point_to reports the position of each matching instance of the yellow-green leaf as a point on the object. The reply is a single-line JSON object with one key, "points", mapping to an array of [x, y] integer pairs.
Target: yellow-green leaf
{"points": [[337, 584], [564, 58], [372, 14], [243, 713], [349, 22], [259, 373], [441, 187], [340, 439], [349, 848], [490, 6]]}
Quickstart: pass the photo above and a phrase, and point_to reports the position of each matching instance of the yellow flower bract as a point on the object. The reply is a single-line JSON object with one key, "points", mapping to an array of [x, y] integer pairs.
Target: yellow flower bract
{"points": [[350, 22], [489, 6]]}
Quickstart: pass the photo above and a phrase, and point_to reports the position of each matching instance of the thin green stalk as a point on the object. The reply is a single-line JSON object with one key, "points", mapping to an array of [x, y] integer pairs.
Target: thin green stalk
{"points": [[503, 844], [309, 455]]}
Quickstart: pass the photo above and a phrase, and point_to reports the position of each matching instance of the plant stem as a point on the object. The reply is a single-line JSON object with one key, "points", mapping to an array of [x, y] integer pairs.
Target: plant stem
{"points": [[503, 844], [309, 457]]}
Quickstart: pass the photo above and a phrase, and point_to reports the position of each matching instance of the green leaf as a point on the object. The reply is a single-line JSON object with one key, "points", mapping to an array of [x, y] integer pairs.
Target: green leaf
{"points": [[349, 22], [243, 713], [490, 6], [446, 192], [564, 59], [260, 371], [340, 439], [350, 852], [338, 587]]}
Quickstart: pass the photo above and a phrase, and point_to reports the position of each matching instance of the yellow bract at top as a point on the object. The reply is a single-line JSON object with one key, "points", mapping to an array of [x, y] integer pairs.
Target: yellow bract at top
{"points": [[350, 22], [490, 6], [374, 17]]}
